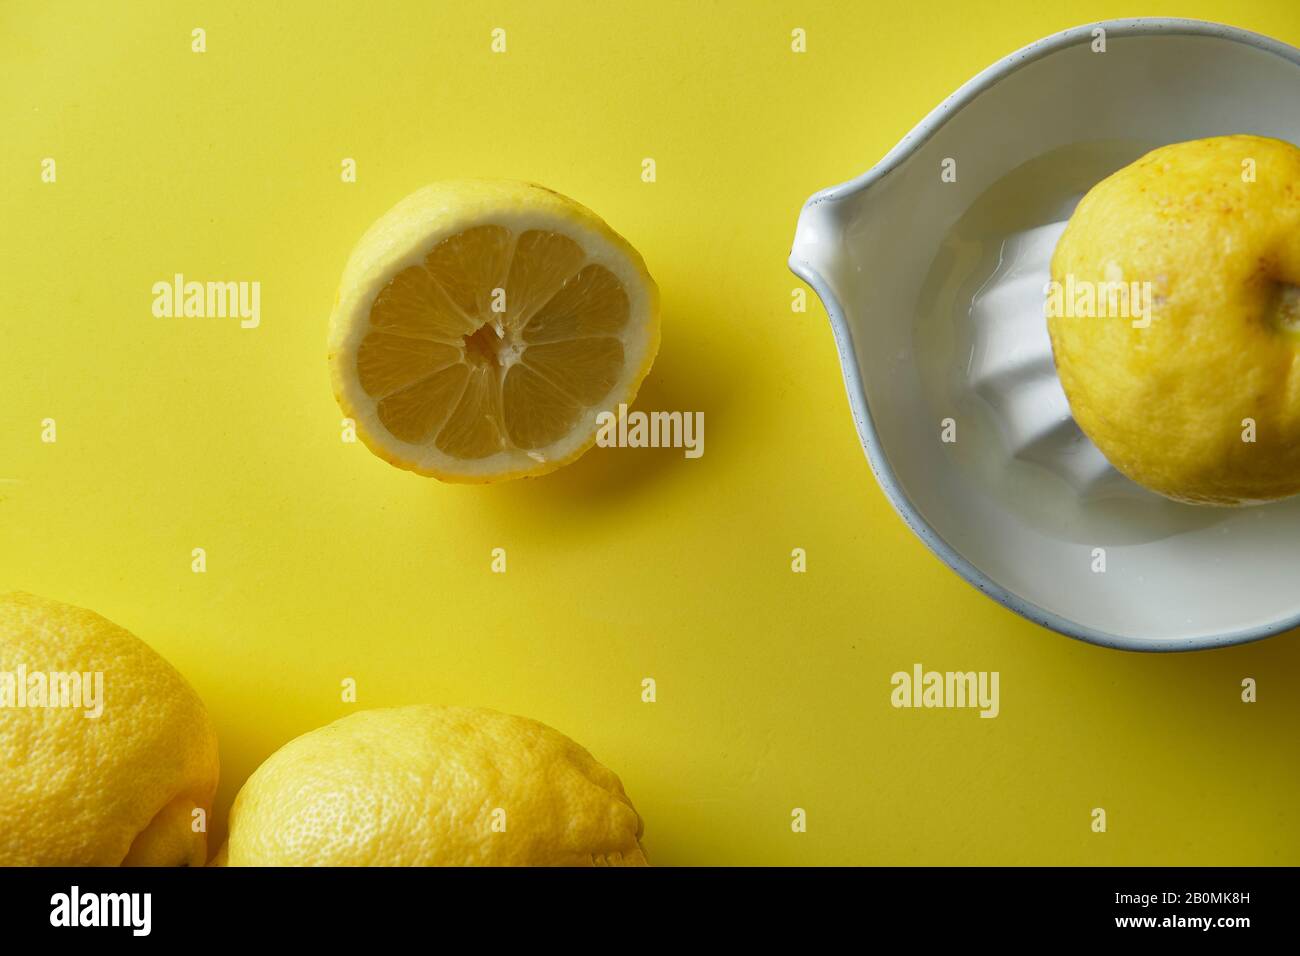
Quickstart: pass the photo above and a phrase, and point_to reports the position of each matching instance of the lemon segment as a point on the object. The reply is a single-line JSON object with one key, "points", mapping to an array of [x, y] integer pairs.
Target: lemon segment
{"points": [[482, 326]]}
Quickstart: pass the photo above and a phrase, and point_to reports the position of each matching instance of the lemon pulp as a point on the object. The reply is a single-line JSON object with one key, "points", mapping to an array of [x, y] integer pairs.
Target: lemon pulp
{"points": [[496, 340]]}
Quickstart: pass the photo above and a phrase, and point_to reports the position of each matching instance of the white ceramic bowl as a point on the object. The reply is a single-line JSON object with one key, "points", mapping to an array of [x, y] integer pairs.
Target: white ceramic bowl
{"points": [[933, 289]]}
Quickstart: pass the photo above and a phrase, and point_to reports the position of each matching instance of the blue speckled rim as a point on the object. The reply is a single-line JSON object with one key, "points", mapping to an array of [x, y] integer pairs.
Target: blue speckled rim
{"points": [[852, 375]]}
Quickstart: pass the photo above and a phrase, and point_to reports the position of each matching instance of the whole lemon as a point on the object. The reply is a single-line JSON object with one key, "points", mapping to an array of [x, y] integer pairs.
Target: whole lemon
{"points": [[1176, 327], [433, 786], [105, 751]]}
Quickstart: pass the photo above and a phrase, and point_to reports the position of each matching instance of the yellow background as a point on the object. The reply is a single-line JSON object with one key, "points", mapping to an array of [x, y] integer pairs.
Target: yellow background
{"points": [[324, 563]]}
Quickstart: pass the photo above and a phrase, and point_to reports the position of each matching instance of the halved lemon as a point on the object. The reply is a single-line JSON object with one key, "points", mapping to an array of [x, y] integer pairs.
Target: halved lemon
{"points": [[482, 326]]}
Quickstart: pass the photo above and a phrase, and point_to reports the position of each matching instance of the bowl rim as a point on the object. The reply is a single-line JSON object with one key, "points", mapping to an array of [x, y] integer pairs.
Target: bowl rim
{"points": [[876, 458]]}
